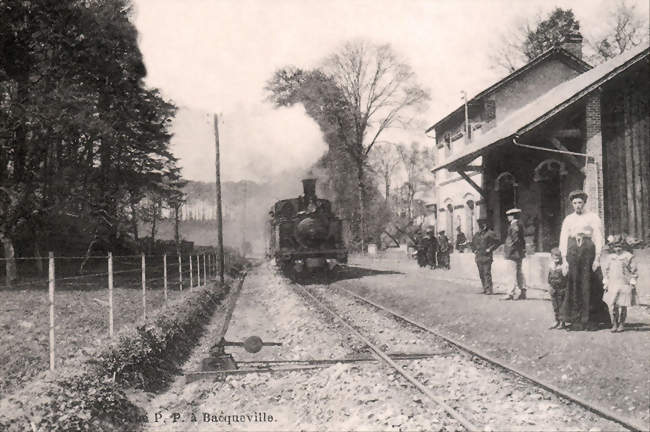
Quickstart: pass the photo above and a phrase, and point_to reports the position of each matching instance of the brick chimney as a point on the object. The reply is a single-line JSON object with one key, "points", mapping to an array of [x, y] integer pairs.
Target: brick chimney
{"points": [[573, 44]]}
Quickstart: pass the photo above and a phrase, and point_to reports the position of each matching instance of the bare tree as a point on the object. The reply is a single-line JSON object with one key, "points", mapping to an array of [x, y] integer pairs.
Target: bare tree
{"points": [[383, 161], [625, 28], [415, 161], [508, 54], [380, 92]]}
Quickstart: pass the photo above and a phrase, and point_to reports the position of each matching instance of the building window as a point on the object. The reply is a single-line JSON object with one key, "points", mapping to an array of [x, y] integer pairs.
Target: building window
{"points": [[469, 218]]}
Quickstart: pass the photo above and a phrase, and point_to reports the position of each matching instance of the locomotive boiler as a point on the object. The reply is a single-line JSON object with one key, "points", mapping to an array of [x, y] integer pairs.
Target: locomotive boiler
{"points": [[304, 235]]}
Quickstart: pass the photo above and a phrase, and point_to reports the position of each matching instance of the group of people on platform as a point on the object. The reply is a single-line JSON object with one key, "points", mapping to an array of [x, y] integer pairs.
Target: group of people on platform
{"points": [[433, 251], [580, 289]]}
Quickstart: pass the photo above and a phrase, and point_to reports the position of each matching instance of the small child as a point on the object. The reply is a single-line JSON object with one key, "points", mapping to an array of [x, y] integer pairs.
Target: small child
{"points": [[619, 280], [557, 283]]}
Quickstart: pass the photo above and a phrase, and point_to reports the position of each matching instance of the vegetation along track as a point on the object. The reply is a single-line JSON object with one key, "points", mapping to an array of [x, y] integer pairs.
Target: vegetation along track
{"points": [[479, 392]]}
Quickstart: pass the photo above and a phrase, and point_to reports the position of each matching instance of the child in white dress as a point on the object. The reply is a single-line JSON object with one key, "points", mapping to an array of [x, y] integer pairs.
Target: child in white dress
{"points": [[619, 279]]}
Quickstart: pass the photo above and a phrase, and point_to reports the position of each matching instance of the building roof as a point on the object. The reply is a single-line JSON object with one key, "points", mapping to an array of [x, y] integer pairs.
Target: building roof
{"points": [[542, 108], [563, 54]]}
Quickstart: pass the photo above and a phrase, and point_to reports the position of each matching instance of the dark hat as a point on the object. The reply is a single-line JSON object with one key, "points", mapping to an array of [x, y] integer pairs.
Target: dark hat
{"points": [[513, 211], [441, 232], [482, 220], [578, 194]]}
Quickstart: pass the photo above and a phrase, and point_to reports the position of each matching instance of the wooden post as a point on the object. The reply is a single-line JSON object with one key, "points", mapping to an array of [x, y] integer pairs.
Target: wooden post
{"points": [[51, 284], [110, 294], [144, 290], [205, 276], [165, 276], [191, 274], [218, 192], [198, 271], [180, 272]]}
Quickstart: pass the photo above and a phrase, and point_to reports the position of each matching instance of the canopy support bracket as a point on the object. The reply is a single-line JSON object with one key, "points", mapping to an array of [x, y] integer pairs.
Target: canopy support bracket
{"points": [[472, 183]]}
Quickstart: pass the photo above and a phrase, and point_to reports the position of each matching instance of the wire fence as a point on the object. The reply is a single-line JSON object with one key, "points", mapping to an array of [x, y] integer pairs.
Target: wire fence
{"points": [[62, 304]]}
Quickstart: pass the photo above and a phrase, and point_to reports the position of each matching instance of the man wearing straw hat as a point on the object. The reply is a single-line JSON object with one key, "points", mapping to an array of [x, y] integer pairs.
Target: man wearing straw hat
{"points": [[515, 250]]}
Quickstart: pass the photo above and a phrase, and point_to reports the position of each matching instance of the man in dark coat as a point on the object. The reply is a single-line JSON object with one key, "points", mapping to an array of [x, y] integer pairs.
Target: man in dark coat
{"points": [[484, 243], [421, 246], [432, 249], [443, 250], [515, 250], [461, 240]]}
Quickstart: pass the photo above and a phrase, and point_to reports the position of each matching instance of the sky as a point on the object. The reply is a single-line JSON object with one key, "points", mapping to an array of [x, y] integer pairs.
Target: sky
{"points": [[215, 56]]}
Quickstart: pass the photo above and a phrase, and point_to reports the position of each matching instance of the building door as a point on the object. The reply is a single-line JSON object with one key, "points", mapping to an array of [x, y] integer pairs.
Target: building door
{"points": [[450, 221], [506, 186], [507, 201], [551, 213], [548, 175]]}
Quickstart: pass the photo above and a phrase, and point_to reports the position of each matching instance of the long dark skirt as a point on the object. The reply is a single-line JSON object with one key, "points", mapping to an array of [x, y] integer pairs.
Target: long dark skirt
{"points": [[598, 309], [580, 280]]}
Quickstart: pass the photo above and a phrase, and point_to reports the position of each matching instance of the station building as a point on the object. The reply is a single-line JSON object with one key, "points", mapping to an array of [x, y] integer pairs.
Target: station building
{"points": [[460, 193], [562, 126]]}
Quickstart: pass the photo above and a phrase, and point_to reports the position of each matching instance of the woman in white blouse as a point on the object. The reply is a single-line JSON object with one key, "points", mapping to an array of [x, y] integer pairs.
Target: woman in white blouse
{"points": [[581, 242]]}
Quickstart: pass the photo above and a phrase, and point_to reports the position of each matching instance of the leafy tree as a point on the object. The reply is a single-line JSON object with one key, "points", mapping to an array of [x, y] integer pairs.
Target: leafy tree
{"points": [[529, 39], [82, 138], [361, 90], [550, 32]]}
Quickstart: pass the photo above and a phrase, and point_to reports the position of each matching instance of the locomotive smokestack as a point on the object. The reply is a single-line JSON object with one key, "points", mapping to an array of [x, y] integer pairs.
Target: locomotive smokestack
{"points": [[309, 187]]}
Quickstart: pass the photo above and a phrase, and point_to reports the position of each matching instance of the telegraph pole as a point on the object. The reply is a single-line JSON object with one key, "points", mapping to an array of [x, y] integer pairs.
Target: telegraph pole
{"points": [[243, 224], [219, 216]]}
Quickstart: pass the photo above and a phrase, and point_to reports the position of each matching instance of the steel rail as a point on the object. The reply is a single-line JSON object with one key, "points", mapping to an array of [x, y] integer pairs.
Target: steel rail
{"points": [[348, 360], [450, 410], [594, 408], [272, 366]]}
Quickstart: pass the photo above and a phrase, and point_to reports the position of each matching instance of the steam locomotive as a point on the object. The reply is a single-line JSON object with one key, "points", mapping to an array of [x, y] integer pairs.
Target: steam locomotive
{"points": [[304, 236]]}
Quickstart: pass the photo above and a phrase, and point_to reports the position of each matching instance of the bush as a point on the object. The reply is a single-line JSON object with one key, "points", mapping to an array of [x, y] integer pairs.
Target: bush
{"points": [[89, 395], [145, 357]]}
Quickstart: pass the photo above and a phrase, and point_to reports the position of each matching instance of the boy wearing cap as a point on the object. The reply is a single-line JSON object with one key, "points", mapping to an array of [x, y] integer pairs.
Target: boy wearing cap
{"points": [[515, 250], [557, 284], [483, 244]]}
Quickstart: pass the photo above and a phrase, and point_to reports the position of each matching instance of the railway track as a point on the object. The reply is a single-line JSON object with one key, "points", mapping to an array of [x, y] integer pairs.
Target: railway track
{"points": [[325, 376], [453, 413], [594, 408], [451, 406]]}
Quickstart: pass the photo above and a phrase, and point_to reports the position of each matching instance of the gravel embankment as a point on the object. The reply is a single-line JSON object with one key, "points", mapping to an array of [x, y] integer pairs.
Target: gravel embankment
{"points": [[344, 396]]}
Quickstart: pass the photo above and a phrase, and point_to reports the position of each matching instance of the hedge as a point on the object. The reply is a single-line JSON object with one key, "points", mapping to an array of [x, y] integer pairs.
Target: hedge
{"points": [[89, 394]]}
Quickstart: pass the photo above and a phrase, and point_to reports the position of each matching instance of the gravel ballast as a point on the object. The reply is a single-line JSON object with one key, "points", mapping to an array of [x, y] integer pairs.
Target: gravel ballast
{"points": [[343, 396], [366, 396]]}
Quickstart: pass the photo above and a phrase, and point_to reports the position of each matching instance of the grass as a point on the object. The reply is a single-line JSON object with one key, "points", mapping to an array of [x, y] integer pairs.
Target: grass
{"points": [[81, 318]]}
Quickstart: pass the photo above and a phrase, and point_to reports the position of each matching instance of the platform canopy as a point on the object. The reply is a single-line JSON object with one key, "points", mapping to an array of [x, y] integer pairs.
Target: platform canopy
{"points": [[543, 108]]}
